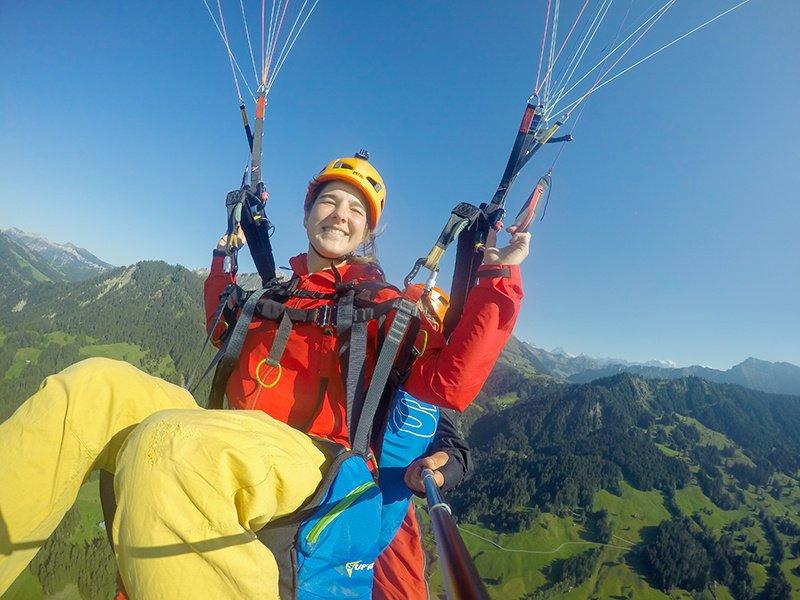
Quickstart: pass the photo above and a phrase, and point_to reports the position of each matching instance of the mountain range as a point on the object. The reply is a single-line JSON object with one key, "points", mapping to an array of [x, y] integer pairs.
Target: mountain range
{"points": [[775, 377]]}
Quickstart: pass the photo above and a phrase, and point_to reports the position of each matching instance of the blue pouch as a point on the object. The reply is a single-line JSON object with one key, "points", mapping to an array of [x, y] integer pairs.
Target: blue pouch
{"points": [[409, 432], [328, 548]]}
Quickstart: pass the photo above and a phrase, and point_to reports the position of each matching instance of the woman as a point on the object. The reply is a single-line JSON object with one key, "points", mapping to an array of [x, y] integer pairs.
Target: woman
{"points": [[193, 486]]}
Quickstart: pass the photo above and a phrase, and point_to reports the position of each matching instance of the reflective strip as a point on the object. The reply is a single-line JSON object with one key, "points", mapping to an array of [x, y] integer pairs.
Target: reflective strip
{"points": [[336, 511]]}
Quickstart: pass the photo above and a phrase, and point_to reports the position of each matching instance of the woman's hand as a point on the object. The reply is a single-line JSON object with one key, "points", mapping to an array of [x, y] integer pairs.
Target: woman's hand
{"points": [[513, 254], [434, 462], [237, 242]]}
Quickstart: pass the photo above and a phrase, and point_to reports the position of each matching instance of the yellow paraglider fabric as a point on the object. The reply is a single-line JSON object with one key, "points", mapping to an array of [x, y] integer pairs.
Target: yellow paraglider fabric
{"points": [[192, 485]]}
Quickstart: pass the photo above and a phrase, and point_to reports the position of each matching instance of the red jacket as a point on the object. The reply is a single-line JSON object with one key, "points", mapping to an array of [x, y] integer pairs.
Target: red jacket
{"points": [[307, 391]]}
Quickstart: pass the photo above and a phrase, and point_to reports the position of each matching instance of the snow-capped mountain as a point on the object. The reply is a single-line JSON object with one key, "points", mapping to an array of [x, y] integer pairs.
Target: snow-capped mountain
{"points": [[73, 262]]}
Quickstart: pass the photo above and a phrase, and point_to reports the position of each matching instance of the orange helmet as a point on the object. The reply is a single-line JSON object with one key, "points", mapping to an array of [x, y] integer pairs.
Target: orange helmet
{"points": [[434, 304], [357, 171]]}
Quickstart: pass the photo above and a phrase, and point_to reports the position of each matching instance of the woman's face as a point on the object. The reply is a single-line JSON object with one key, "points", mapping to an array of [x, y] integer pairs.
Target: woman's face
{"points": [[336, 224]]}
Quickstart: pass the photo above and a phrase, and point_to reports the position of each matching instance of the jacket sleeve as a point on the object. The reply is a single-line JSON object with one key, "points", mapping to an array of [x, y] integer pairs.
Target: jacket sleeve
{"points": [[449, 440], [217, 280], [451, 375]]}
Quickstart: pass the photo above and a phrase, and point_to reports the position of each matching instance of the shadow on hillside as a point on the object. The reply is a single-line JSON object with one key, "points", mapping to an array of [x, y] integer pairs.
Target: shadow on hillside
{"points": [[635, 559]]}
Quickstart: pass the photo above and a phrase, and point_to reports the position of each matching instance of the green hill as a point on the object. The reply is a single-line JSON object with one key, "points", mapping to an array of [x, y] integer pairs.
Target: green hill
{"points": [[603, 490], [20, 268]]}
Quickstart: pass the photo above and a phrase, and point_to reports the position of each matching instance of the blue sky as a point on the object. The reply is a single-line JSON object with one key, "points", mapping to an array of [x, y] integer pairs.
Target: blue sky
{"points": [[672, 229]]}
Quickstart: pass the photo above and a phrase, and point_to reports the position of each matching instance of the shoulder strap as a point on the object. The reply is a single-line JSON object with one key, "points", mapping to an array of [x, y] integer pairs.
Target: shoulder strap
{"points": [[405, 312]]}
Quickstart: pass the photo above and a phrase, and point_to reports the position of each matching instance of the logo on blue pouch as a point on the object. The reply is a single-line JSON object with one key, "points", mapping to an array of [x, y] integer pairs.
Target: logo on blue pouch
{"points": [[415, 418], [357, 565]]}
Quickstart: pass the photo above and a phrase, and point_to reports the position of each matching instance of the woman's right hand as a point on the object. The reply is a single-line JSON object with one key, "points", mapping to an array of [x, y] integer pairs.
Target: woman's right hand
{"points": [[513, 254]]}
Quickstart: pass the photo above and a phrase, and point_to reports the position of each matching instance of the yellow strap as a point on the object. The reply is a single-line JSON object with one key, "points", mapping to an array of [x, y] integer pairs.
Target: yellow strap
{"points": [[258, 376], [549, 133]]}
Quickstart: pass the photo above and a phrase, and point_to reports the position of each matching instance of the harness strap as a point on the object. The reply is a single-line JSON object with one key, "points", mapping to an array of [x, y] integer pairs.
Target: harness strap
{"points": [[310, 294], [280, 341], [227, 356], [327, 315], [354, 378], [406, 310], [397, 377], [230, 289]]}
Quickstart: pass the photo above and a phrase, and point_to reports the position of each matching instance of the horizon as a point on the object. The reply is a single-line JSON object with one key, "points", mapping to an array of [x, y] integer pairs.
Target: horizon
{"points": [[671, 233], [664, 362]]}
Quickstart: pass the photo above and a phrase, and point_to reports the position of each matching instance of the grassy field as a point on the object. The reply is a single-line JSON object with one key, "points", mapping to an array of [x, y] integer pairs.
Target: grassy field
{"points": [[520, 563], [119, 351], [691, 500], [26, 587], [59, 337], [667, 450], [632, 511], [91, 522], [709, 437], [506, 400], [22, 358]]}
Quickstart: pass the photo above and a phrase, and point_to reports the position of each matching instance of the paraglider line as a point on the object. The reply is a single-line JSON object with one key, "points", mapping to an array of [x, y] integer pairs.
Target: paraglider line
{"points": [[661, 49], [265, 74], [550, 60], [230, 52], [231, 57], [583, 106], [541, 52], [249, 44], [285, 54], [566, 39], [291, 31], [657, 15], [263, 14], [583, 46]]}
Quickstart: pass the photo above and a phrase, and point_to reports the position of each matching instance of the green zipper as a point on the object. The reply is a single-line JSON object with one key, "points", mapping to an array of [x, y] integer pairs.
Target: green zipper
{"points": [[337, 510]]}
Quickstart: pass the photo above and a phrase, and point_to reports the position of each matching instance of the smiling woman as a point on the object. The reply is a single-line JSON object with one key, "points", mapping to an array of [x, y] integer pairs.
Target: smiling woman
{"points": [[343, 205]]}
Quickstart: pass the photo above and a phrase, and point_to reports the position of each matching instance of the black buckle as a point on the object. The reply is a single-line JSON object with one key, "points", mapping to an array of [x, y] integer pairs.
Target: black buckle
{"points": [[326, 316]]}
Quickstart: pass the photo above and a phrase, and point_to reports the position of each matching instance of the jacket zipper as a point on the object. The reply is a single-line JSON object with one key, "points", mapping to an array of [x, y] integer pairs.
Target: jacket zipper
{"points": [[336, 511]]}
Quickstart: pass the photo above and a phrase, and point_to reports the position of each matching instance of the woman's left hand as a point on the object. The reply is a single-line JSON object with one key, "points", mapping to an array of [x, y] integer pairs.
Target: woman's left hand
{"points": [[434, 462], [513, 254], [237, 241]]}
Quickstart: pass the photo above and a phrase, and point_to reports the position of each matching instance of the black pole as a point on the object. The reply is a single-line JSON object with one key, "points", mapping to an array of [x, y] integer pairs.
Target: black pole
{"points": [[461, 579]]}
